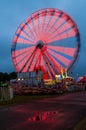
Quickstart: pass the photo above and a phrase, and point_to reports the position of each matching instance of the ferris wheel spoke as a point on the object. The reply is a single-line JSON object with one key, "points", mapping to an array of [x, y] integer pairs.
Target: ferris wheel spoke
{"points": [[50, 65], [64, 50], [25, 69], [53, 71], [32, 30], [24, 32], [35, 28], [51, 24], [61, 27], [20, 46], [22, 51], [43, 24], [31, 60], [67, 42], [60, 58], [45, 18], [21, 62], [54, 21], [53, 29], [41, 20], [56, 37], [32, 54], [50, 74], [58, 34], [28, 32], [65, 27], [30, 27], [64, 20], [40, 25], [37, 59], [58, 62], [62, 54], [47, 68], [42, 62], [48, 22], [43, 68], [21, 57], [55, 63], [21, 39], [40, 31], [68, 34]]}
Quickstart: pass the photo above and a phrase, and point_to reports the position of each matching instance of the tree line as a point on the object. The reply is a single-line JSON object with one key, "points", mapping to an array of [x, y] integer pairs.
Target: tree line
{"points": [[4, 77]]}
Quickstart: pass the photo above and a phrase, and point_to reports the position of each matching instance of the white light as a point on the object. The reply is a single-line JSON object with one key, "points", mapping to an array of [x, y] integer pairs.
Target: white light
{"points": [[18, 79], [56, 76]]}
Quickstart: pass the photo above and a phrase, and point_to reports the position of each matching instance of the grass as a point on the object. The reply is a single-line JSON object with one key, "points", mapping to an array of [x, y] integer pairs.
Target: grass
{"points": [[81, 125], [26, 98]]}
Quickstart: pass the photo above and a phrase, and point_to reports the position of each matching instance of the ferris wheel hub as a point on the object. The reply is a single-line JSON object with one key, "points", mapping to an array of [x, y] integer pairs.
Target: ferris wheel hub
{"points": [[39, 44]]}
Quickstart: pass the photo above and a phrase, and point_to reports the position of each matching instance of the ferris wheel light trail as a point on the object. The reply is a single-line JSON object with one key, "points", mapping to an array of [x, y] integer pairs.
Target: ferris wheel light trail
{"points": [[48, 40]]}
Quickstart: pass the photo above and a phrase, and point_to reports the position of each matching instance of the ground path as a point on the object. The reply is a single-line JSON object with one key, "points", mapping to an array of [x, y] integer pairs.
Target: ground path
{"points": [[60, 113]]}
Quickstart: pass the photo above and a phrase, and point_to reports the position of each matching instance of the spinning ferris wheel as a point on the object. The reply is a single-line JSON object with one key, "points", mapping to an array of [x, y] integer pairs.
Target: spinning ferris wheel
{"points": [[47, 40]]}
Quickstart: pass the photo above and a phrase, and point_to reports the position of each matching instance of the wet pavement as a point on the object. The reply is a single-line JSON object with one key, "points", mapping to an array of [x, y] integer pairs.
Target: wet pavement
{"points": [[60, 113]]}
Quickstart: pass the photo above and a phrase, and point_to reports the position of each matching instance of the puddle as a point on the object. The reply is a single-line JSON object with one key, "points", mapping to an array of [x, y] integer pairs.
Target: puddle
{"points": [[42, 116]]}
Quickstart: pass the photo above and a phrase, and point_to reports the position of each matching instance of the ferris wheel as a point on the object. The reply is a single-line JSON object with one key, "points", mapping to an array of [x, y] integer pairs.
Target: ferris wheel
{"points": [[47, 40]]}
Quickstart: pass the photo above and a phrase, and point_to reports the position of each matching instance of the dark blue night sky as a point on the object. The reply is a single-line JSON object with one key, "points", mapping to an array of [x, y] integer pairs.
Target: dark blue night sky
{"points": [[13, 12]]}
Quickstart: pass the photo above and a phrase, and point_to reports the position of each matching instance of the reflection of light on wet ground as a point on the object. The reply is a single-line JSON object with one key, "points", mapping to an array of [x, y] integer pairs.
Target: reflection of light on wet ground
{"points": [[42, 116], [19, 109]]}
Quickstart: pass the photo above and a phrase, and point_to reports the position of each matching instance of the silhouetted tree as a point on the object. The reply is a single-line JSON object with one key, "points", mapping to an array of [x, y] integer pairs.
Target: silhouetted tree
{"points": [[7, 77]]}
